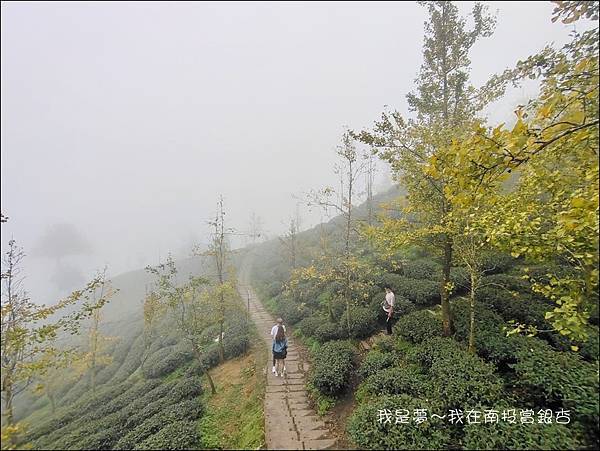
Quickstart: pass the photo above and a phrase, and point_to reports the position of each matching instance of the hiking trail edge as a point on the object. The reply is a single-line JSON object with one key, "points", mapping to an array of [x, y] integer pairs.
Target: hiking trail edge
{"points": [[290, 422]]}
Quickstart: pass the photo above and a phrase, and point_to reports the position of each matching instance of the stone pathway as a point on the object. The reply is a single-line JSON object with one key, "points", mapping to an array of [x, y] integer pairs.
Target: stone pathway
{"points": [[290, 423]]}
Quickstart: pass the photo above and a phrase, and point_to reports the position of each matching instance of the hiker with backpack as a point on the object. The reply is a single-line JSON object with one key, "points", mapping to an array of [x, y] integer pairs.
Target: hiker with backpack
{"points": [[273, 334], [280, 345]]}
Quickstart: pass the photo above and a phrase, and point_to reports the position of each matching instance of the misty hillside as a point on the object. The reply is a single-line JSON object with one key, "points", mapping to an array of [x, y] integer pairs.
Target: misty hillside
{"points": [[126, 304], [386, 217]]}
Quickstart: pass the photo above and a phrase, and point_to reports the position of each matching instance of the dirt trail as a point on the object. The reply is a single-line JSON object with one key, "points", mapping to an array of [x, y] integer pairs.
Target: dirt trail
{"points": [[290, 423]]}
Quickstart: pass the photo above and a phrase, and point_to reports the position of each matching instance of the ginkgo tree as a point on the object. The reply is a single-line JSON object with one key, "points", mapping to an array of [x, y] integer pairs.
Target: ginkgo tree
{"points": [[551, 213], [30, 331], [444, 106], [189, 306]]}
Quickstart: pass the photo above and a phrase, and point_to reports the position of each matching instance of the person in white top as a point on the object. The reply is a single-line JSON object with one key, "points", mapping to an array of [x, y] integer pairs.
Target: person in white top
{"points": [[273, 333], [388, 306]]}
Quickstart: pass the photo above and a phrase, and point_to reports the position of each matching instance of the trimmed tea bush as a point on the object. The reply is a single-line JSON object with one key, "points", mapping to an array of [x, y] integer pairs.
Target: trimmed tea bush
{"points": [[421, 292], [491, 341], [461, 279], [291, 310], [513, 305], [333, 367], [408, 379], [458, 379], [423, 270], [328, 331], [165, 361], [376, 361], [309, 325], [365, 429], [178, 435], [503, 435], [363, 322], [548, 376], [497, 262], [390, 279], [418, 326]]}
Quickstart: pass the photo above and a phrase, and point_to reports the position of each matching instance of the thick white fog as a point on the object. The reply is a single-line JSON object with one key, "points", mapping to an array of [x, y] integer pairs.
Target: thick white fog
{"points": [[122, 122]]}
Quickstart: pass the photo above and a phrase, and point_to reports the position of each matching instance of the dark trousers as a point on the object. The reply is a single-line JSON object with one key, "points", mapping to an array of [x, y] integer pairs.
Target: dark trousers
{"points": [[388, 325]]}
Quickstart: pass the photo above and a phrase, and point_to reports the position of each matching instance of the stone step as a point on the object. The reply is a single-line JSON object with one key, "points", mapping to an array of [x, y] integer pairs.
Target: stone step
{"points": [[323, 443]]}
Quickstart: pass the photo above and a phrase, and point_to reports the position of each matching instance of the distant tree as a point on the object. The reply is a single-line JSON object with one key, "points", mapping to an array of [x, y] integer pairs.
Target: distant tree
{"points": [[256, 228], [152, 310], [30, 330], [369, 181], [191, 308], [444, 106], [224, 290], [290, 242], [95, 355], [349, 169], [61, 240], [82, 361]]}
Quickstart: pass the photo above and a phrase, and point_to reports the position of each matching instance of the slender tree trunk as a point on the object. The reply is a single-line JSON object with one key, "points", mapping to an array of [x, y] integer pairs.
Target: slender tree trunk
{"points": [[348, 227], [221, 347], [472, 321], [198, 356], [447, 262], [330, 309], [445, 295], [8, 405], [220, 267]]}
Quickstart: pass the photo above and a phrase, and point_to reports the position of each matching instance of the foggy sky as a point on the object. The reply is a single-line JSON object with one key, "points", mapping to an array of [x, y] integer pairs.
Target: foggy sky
{"points": [[127, 120]]}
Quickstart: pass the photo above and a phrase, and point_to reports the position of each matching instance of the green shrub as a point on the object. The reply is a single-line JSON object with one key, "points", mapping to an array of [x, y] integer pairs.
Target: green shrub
{"points": [[423, 270], [148, 405], [497, 262], [186, 388], [546, 376], [396, 380], [210, 357], [333, 367], [363, 322], [589, 349], [309, 325], [166, 361], [491, 341], [290, 310], [458, 378], [504, 435], [367, 432], [189, 409], [391, 280], [384, 343], [124, 399], [178, 435], [421, 292], [328, 331], [513, 305], [375, 361], [461, 279], [236, 338], [68, 414], [418, 326]]}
